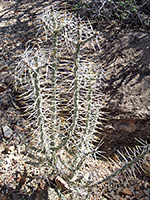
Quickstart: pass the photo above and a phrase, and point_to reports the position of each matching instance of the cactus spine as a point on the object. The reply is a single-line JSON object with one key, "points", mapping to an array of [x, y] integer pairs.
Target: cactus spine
{"points": [[62, 92]]}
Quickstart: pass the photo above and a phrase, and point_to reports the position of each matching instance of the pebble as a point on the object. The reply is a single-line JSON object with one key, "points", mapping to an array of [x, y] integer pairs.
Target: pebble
{"points": [[137, 188], [7, 131], [61, 184], [116, 197], [3, 87], [116, 180], [126, 191]]}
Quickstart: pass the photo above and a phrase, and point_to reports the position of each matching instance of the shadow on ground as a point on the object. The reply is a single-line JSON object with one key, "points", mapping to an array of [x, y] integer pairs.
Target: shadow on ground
{"points": [[18, 26], [125, 56]]}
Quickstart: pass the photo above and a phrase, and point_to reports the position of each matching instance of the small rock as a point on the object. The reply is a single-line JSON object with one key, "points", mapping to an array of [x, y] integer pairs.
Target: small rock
{"points": [[6, 150], [127, 125], [7, 132], [108, 196], [116, 180], [30, 23], [2, 87], [116, 197], [61, 184], [126, 191], [137, 188]]}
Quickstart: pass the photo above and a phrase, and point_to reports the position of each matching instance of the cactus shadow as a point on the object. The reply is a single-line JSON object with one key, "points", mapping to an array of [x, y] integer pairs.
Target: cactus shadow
{"points": [[125, 57], [18, 26]]}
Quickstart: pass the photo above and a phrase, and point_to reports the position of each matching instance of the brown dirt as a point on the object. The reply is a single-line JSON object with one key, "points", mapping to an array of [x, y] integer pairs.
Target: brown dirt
{"points": [[125, 56]]}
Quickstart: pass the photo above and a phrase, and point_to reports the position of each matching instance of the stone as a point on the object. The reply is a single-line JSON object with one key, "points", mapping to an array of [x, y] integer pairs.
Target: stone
{"points": [[127, 125], [108, 196], [126, 191], [116, 197], [61, 184], [6, 150], [137, 188], [2, 87], [116, 180], [7, 131]]}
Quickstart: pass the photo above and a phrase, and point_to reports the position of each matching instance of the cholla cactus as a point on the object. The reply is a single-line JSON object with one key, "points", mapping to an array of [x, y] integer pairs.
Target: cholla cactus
{"points": [[63, 99]]}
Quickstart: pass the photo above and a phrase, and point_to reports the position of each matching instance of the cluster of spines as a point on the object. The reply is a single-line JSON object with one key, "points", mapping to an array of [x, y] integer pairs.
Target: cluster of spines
{"points": [[62, 91]]}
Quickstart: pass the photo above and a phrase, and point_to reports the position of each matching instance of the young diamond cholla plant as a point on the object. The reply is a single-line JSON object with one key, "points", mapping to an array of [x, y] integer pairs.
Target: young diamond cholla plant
{"points": [[63, 100]]}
